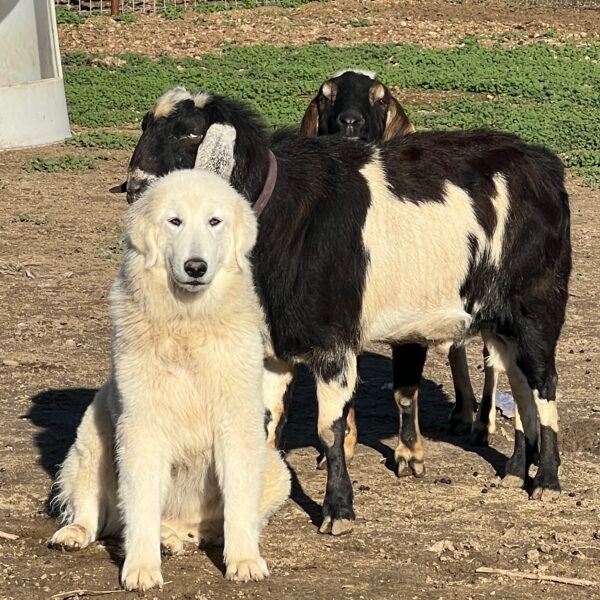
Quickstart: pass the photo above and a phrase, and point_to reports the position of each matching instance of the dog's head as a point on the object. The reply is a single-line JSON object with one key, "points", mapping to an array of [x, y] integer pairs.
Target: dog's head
{"points": [[192, 224]]}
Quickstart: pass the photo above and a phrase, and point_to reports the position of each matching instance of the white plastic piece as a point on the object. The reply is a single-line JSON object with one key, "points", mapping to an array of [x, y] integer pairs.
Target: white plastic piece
{"points": [[505, 403], [32, 94]]}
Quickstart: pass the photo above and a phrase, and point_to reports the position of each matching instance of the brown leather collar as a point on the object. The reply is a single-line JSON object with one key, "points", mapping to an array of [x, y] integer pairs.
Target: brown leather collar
{"points": [[269, 186]]}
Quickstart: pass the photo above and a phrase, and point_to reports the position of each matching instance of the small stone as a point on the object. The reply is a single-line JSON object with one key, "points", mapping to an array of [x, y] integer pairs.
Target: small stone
{"points": [[364, 488], [9, 362], [596, 409], [533, 556], [578, 503], [484, 491], [70, 343], [571, 494]]}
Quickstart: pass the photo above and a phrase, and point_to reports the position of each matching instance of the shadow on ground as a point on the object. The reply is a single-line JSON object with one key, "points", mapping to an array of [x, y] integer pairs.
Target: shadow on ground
{"points": [[57, 413]]}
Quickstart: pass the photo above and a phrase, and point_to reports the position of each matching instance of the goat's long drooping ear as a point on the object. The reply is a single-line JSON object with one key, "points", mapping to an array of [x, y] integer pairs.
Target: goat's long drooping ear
{"points": [[310, 122], [396, 123], [142, 231], [119, 189], [216, 152], [244, 233]]}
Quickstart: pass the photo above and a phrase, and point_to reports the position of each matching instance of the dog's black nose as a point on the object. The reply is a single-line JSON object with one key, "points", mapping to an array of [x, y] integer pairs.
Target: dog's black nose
{"points": [[195, 267], [350, 118]]}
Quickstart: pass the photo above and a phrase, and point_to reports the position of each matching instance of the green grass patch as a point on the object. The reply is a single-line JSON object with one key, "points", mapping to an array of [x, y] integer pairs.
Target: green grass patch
{"points": [[106, 140], [547, 94], [68, 162], [66, 16], [126, 18]]}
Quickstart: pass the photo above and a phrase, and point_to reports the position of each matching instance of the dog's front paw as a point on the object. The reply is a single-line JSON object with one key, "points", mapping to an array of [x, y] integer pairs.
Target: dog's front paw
{"points": [[71, 537], [250, 569], [141, 577]]}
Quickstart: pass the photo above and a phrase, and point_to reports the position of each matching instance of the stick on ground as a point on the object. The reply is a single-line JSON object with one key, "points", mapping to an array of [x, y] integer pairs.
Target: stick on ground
{"points": [[535, 576]]}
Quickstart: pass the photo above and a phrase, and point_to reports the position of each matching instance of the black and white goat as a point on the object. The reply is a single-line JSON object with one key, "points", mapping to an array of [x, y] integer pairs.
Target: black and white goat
{"points": [[427, 238], [353, 103]]}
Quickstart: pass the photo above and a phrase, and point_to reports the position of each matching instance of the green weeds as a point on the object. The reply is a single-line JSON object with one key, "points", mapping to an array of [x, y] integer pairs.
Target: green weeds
{"points": [[546, 93], [67, 162]]}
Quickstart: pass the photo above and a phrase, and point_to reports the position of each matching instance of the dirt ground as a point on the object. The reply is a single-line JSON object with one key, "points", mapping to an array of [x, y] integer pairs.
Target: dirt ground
{"points": [[413, 538], [432, 23]]}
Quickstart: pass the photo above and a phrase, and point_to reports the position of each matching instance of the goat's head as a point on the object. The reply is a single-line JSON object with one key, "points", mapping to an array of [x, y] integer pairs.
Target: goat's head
{"points": [[174, 129], [355, 104]]}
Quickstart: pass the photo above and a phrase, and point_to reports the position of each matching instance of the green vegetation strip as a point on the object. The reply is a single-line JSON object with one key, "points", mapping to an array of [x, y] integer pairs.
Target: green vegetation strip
{"points": [[545, 93]]}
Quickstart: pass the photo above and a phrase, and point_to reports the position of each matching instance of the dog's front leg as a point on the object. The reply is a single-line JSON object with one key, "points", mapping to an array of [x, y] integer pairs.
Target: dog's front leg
{"points": [[143, 463], [240, 455]]}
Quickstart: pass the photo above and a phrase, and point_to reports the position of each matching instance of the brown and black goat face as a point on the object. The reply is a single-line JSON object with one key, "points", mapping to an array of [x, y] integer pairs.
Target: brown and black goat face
{"points": [[354, 104], [171, 134]]}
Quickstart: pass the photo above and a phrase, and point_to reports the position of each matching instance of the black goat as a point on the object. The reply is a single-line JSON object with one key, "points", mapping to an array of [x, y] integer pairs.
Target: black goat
{"points": [[355, 104], [427, 238]]}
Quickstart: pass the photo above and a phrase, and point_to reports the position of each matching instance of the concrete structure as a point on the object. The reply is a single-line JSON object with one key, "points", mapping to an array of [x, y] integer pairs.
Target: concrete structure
{"points": [[33, 107]]}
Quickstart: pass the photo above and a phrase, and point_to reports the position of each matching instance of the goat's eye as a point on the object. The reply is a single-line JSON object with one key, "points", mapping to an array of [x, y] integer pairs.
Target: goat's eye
{"points": [[214, 222], [175, 222], [193, 136], [382, 101]]}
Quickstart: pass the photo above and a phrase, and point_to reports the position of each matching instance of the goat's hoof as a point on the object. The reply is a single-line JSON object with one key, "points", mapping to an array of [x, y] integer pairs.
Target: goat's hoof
{"points": [[71, 538], [545, 486], [336, 526], [413, 467]]}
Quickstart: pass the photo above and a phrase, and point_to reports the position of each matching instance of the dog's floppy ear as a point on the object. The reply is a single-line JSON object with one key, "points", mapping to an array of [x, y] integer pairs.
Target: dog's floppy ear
{"points": [[310, 122], [216, 152], [245, 231], [142, 231], [396, 123]]}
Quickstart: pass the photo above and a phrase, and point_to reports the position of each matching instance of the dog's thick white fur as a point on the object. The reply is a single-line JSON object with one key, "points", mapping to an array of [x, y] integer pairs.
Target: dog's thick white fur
{"points": [[173, 447]]}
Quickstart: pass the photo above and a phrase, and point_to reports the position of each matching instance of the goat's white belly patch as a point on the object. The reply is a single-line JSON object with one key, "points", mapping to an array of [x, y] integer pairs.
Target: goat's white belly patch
{"points": [[436, 325], [419, 258]]}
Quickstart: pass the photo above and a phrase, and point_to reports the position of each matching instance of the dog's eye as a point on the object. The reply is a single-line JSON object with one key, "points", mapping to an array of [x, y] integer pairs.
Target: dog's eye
{"points": [[214, 222], [175, 221]]}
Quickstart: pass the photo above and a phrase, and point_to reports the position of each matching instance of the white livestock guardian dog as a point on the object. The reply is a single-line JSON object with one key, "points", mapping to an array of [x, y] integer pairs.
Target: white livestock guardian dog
{"points": [[173, 447]]}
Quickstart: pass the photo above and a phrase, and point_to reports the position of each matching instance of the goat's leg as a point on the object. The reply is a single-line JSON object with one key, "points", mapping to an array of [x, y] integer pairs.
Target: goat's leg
{"points": [[461, 418], [278, 383], [335, 387], [485, 421], [408, 363]]}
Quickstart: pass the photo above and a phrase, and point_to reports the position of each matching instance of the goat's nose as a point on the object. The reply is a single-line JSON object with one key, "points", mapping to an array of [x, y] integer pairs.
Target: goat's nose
{"points": [[135, 187], [195, 267], [350, 118]]}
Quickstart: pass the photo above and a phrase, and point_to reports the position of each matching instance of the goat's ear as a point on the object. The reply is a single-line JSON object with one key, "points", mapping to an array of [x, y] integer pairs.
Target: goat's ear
{"points": [[216, 152], [119, 189], [244, 233], [310, 122], [142, 231], [396, 123]]}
